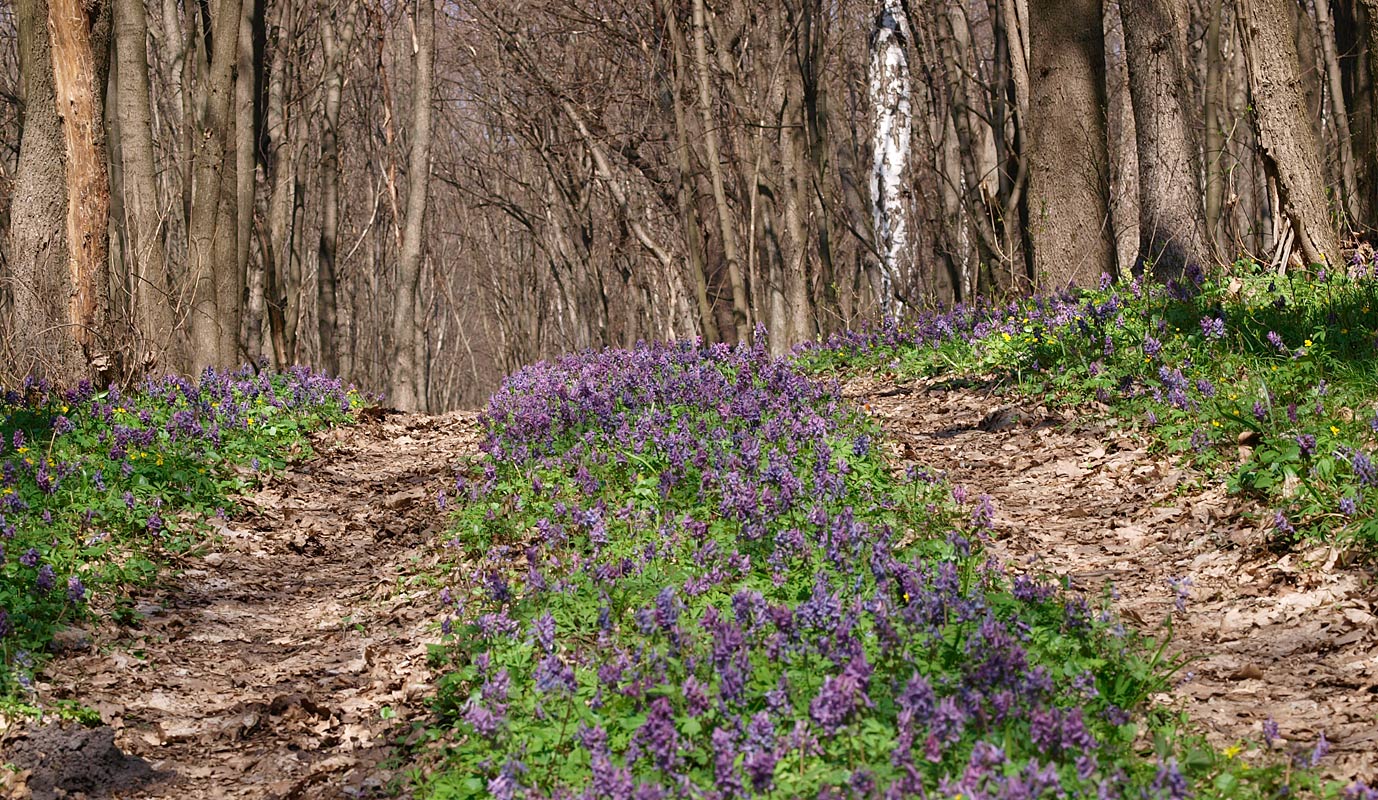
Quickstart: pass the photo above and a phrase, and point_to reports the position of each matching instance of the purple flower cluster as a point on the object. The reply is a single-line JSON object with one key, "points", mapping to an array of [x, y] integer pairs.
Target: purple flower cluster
{"points": [[704, 557], [81, 464]]}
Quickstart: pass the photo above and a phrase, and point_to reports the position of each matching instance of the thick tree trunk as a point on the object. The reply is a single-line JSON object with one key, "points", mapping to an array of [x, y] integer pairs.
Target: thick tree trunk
{"points": [[1287, 139], [149, 276], [212, 230], [1068, 174], [407, 387], [59, 259], [78, 86], [893, 118], [1171, 215]]}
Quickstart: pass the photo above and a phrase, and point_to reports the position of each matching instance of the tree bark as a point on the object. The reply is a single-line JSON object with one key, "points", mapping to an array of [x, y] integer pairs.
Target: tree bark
{"points": [[1171, 214], [149, 276], [337, 33], [1068, 174], [1334, 84], [1213, 155], [1287, 139], [78, 87], [407, 390], [248, 124], [893, 119], [60, 213], [741, 314], [212, 230]]}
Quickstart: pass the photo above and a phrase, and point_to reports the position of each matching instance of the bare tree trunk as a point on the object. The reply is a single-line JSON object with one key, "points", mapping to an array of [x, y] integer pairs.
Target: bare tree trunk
{"points": [[248, 120], [336, 46], [406, 327], [1069, 209], [1122, 150], [1214, 152], [890, 106], [210, 233], [1014, 18], [58, 267], [686, 178], [78, 86], [149, 276], [1171, 216], [1286, 136], [741, 313], [1349, 183]]}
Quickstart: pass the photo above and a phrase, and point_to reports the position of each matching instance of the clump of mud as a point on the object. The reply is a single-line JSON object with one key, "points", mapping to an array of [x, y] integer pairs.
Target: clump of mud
{"points": [[73, 760]]}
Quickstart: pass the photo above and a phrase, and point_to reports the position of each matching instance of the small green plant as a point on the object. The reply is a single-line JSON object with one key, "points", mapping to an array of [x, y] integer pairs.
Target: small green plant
{"points": [[94, 486], [697, 573], [1268, 380]]}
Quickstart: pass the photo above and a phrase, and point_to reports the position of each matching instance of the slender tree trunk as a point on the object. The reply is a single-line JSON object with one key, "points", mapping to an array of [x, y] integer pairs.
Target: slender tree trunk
{"points": [[1334, 83], [1286, 136], [1068, 174], [336, 46], [212, 235], [1171, 215], [1214, 152], [248, 122], [890, 107], [1014, 24], [741, 313], [406, 327], [687, 178], [149, 276]]}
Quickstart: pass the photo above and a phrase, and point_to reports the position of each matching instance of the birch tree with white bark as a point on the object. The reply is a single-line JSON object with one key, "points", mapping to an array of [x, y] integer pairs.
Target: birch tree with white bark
{"points": [[890, 103]]}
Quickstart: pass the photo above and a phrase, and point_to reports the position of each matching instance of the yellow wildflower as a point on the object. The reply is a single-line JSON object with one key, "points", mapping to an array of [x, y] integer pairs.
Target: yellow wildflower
{"points": [[1334, 430]]}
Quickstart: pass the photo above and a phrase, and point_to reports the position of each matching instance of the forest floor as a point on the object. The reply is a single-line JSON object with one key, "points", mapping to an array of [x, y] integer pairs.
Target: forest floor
{"points": [[283, 660], [1283, 635], [280, 661]]}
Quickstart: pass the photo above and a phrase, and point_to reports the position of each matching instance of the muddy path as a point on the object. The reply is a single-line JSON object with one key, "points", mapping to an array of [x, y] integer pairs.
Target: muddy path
{"points": [[1287, 636], [281, 661]]}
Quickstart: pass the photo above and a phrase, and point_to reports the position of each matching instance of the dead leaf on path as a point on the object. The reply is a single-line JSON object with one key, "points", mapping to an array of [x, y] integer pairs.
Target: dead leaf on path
{"points": [[1248, 672]]}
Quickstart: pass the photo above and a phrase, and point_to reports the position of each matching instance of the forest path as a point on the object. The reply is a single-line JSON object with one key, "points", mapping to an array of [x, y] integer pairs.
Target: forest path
{"points": [[265, 669], [1291, 637]]}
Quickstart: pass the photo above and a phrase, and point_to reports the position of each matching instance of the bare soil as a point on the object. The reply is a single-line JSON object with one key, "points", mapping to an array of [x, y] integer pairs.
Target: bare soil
{"points": [[283, 662], [1268, 634], [287, 660]]}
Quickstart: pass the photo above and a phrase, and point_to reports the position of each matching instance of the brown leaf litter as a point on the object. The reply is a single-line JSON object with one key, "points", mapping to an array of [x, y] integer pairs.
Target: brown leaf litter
{"points": [[279, 664], [267, 667], [1288, 636]]}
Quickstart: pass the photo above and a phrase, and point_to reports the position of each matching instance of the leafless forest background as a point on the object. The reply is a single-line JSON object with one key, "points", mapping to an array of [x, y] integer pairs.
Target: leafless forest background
{"points": [[422, 198]]}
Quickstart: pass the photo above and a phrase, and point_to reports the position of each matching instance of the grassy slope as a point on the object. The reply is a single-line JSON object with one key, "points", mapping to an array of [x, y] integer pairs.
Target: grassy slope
{"points": [[95, 484], [696, 576]]}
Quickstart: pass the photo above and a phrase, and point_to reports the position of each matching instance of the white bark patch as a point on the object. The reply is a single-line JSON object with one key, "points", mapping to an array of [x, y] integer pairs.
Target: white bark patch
{"points": [[889, 95]]}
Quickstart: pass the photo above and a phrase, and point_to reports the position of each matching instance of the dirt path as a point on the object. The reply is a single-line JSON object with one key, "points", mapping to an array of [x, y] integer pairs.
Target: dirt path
{"points": [[267, 668], [1291, 637]]}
